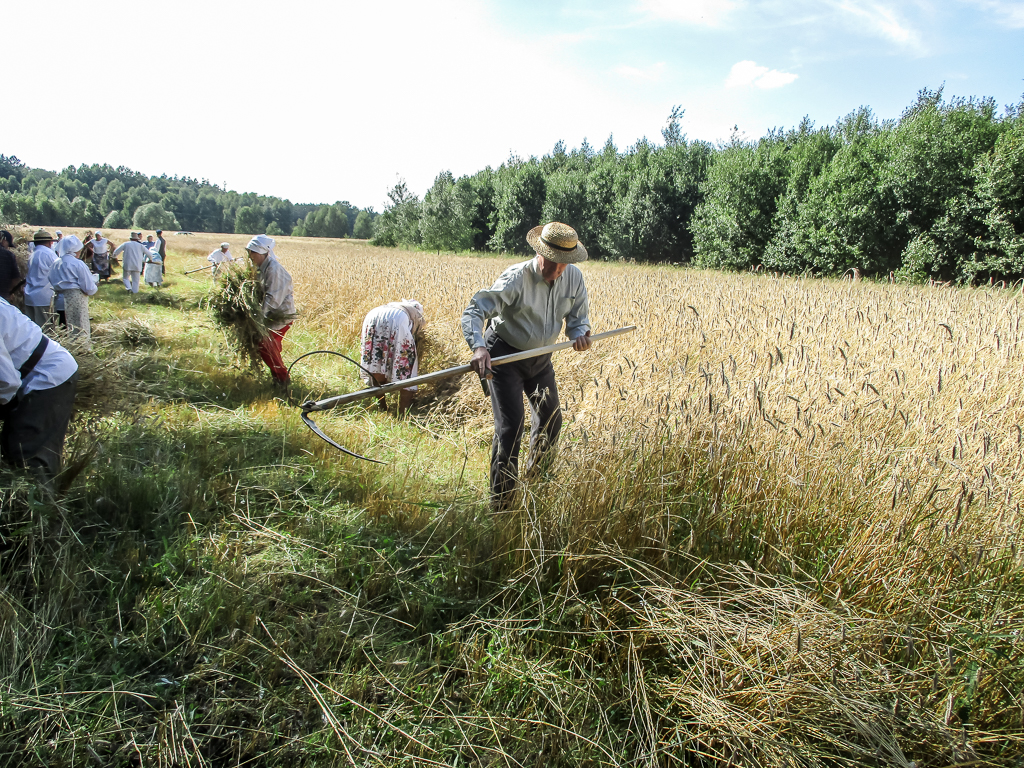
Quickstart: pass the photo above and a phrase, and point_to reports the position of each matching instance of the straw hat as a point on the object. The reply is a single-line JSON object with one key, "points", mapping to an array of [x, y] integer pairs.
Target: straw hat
{"points": [[557, 242], [42, 236]]}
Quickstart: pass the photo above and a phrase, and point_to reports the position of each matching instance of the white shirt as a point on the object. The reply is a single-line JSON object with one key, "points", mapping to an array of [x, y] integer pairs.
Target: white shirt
{"points": [[134, 255], [219, 257], [99, 246], [71, 272], [38, 292], [19, 338]]}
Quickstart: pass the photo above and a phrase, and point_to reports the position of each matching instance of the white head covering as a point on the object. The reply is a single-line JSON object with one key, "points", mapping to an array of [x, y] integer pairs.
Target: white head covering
{"points": [[261, 244], [225, 245], [69, 244], [415, 312], [98, 233]]}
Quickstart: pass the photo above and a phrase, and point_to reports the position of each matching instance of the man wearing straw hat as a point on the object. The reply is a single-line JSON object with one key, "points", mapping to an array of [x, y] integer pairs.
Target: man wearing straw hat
{"points": [[526, 307], [133, 261], [38, 291]]}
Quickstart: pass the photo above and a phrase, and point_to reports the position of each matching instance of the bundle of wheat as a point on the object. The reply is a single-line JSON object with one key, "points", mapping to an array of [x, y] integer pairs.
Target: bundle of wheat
{"points": [[236, 302]]}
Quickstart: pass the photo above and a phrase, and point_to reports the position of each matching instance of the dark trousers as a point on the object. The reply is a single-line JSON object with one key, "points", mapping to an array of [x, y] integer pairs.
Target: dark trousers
{"points": [[34, 427], [536, 379]]}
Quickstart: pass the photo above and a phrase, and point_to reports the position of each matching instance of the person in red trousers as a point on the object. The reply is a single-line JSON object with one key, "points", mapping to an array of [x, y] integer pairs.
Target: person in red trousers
{"points": [[278, 304]]}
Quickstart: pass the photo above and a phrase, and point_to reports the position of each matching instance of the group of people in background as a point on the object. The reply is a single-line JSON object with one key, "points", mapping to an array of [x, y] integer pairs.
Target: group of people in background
{"points": [[526, 308]]}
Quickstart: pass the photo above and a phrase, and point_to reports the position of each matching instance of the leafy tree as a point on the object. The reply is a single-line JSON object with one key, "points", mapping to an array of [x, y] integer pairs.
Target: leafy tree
{"points": [[113, 196], [116, 220], [809, 153], [249, 220], [519, 190], [84, 213], [734, 224], [274, 230], [153, 216], [209, 213], [363, 228], [478, 192], [445, 216], [11, 167], [399, 224]]}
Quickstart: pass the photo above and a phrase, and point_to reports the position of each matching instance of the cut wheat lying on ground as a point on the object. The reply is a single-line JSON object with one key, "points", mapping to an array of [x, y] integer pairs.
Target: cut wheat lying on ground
{"points": [[782, 529]]}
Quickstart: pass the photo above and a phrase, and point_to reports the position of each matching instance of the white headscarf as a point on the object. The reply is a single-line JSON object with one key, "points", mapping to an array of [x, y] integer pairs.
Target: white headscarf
{"points": [[261, 244], [415, 312], [69, 244]]}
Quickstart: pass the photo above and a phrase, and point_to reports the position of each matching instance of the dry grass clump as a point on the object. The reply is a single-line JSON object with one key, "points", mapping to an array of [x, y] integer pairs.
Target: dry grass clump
{"points": [[132, 332], [106, 372]]}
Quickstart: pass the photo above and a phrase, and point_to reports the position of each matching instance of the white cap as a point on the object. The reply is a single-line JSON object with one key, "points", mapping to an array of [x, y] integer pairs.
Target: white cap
{"points": [[225, 245]]}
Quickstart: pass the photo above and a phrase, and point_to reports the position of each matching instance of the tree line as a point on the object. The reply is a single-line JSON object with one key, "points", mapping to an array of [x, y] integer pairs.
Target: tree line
{"points": [[120, 198], [937, 193]]}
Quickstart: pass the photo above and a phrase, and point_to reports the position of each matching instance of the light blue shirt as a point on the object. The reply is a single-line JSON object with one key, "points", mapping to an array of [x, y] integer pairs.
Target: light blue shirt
{"points": [[526, 311], [71, 272], [38, 291]]}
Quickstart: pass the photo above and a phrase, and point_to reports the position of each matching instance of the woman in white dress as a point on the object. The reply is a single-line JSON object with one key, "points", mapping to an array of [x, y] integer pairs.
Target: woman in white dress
{"points": [[390, 351], [154, 270], [74, 283]]}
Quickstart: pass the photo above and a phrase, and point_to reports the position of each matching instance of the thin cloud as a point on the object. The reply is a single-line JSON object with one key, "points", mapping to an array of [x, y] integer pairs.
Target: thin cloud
{"points": [[708, 13], [649, 74], [750, 73], [883, 21], [1010, 14]]}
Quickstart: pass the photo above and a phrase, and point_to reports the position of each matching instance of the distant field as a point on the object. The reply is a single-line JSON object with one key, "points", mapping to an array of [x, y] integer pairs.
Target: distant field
{"points": [[784, 527]]}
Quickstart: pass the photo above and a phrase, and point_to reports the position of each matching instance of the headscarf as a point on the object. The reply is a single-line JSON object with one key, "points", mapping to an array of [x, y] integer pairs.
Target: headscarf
{"points": [[69, 244], [415, 312], [261, 244]]}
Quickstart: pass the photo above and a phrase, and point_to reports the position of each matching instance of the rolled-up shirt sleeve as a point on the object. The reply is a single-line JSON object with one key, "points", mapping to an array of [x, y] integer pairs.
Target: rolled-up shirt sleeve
{"points": [[489, 303], [577, 322]]}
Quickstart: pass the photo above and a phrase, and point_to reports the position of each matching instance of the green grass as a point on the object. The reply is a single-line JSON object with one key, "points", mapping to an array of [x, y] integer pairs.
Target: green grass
{"points": [[217, 586]]}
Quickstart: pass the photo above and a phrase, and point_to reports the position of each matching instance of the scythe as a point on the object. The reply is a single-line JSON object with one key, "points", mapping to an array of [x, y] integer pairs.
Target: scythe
{"points": [[313, 406]]}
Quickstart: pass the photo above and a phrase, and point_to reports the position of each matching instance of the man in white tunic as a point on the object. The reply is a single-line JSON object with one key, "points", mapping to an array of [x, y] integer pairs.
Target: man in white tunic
{"points": [[132, 262], [38, 291], [37, 394], [221, 257]]}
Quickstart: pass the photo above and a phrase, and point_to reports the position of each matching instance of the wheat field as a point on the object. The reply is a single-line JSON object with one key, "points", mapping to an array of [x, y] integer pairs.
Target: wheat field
{"points": [[862, 439], [798, 500]]}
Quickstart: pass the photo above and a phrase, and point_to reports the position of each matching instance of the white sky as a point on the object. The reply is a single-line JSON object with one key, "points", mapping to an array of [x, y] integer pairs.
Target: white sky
{"points": [[323, 101]]}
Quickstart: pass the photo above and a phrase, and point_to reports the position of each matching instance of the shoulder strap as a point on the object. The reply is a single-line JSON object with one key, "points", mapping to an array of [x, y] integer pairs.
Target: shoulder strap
{"points": [[35, 357]]}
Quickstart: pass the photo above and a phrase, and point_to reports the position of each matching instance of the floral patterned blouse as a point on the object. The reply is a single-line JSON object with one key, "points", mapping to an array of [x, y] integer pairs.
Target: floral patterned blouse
{"points": [[389, 346]]}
